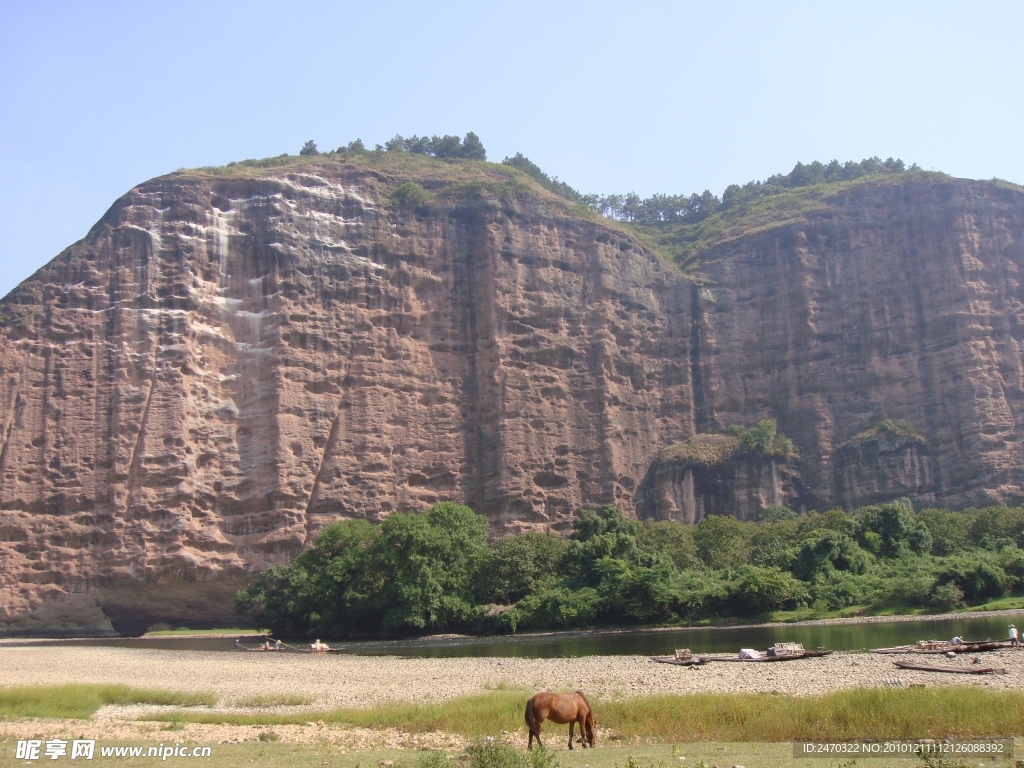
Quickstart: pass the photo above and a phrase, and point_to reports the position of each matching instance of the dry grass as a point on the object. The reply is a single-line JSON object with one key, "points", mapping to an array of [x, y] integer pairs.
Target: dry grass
{"points": [[703, 451], [272, 700]]}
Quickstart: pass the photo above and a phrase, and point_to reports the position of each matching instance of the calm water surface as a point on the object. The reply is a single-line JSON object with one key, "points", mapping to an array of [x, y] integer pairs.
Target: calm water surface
{"points": [[839, 637]]}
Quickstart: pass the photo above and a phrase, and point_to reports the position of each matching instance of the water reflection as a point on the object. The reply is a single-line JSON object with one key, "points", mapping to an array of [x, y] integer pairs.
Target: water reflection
{"points": [[840, 637]]}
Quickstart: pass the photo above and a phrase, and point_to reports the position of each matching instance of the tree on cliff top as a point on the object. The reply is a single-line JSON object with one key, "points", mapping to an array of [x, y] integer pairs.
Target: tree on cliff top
{"points": [[309, 148], [441, 147]]}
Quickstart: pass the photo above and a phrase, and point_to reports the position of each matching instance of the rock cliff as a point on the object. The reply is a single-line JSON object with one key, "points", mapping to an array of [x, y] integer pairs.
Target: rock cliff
{"points": [[889, 459], [232, 359]]}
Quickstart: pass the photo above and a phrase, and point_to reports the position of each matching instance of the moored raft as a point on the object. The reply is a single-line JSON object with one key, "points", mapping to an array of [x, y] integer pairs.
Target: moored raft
{"points": [[778, 652]]}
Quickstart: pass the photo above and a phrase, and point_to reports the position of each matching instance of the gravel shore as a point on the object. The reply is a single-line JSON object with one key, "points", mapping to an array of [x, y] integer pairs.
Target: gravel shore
{"points": [[359, 681]]}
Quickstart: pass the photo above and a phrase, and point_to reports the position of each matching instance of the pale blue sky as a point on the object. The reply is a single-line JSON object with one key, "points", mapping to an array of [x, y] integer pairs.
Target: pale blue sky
{"points": [[611, 97]]}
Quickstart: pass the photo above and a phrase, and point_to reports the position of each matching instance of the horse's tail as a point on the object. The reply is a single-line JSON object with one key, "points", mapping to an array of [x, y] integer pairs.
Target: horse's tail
{"points": [[531, 721]]}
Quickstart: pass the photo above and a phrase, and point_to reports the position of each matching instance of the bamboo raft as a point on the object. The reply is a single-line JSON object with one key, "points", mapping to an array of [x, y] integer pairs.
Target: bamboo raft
{"points": [[952, 670], [778, 652], [944, 646]]}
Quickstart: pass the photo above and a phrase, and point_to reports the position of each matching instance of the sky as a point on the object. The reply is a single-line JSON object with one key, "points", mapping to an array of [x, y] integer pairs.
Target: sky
{"points": [[647, 97]]}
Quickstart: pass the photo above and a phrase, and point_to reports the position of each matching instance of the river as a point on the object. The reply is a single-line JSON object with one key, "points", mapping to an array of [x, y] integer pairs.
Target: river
{"points": [[838, 637]]}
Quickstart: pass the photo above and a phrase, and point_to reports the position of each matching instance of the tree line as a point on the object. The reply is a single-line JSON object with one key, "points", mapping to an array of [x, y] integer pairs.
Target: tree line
{"points": [[663, 209], [436, 571], [441, 147]]}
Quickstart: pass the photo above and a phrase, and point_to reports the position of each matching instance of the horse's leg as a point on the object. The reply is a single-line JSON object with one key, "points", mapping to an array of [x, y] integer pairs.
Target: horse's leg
{"points": [[571, 724], [583, 729]]}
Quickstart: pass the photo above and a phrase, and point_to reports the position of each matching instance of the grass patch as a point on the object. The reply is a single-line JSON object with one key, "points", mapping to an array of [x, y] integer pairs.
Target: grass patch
{"points": [[81, 701], [1008, 603], [274, 700], [882, 712], [162, 630]]}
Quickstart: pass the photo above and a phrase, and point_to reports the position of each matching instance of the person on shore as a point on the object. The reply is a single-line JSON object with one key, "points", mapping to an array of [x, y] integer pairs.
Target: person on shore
{"points": [[277, 645], [1013, 637]]}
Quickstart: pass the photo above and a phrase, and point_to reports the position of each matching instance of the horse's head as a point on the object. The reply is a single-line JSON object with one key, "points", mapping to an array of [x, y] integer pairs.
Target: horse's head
{"points": [[588, 724]]}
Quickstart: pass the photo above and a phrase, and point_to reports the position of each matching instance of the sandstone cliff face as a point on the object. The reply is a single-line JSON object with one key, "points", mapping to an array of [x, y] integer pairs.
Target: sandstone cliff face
{"points": [[900, 301], [887, 460], [222, 367], [225, 365]]}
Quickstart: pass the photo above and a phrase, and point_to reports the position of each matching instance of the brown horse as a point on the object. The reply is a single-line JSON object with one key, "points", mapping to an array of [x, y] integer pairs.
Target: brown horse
{"points": [[560, 708]]}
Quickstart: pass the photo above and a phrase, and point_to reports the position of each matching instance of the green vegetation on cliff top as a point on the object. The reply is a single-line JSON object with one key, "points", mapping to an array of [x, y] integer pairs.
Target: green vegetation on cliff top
{"points": [[680, 228], [709, 450]]}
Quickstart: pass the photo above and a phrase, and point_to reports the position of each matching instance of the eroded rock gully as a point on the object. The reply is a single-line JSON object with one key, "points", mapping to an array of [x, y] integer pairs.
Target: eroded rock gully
{"points": [[224, 366]]}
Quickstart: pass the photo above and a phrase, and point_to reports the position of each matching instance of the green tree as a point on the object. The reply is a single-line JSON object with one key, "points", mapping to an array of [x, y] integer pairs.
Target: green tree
{"points": [[446, 147], [671, 540], [597, 535], [555, 605], [636, 590], [977, 577], [776, 514], [828, 549], [996, 527], [722, 542], [472, 148], [755, 590], [764, 439], [425, 566], [309, 148], [893, 522], [949, 530], [516, 564]]}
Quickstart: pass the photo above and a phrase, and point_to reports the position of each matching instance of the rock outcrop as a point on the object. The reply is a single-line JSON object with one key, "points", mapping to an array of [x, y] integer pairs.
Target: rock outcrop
{"points": [[229, 361], [712, 475]]}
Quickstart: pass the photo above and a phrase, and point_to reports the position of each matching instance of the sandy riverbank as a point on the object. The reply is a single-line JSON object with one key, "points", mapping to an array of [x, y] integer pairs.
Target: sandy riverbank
{"points": [[359, 681]]}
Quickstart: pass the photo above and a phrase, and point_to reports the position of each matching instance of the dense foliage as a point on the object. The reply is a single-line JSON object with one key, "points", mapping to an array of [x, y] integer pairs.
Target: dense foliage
{"points": [[435, 571]]}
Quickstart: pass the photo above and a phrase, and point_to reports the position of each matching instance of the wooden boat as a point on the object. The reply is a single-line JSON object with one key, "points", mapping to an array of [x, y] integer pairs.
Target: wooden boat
{"points": [[944, 646], [953, 670], [765, 658]]}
